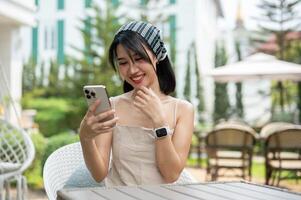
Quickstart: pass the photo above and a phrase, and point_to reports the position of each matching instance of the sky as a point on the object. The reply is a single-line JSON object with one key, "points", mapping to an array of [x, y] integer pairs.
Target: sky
{"points": [[248, 9]]}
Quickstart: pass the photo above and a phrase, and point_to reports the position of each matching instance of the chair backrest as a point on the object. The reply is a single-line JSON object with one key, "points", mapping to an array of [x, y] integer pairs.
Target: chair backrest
{"points": [[273, 127], [59, 166], [16, 148], [285, 139], [233, 136]]}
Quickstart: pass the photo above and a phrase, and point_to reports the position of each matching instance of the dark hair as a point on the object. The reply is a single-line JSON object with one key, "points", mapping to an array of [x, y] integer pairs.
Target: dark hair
{"points": [[134, 42]]}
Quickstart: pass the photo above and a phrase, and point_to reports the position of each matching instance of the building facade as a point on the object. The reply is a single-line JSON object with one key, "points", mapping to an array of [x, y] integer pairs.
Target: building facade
{"points": [[16, 16], [186, 22]]}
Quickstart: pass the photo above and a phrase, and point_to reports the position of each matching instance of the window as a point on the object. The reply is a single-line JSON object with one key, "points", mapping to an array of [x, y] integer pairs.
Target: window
{"points": [[60, 41], [88, 3], [60, 4], [143, 2], [115, 3], [87, 40], [172, 30], [172, 1], [34, 50]]}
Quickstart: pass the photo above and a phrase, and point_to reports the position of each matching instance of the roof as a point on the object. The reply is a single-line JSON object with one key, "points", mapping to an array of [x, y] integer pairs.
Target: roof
{"points": [[271, 46]]}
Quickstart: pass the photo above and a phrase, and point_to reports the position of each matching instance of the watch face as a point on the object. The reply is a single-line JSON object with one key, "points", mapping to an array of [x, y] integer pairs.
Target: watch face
{"points": [[161, 132]]}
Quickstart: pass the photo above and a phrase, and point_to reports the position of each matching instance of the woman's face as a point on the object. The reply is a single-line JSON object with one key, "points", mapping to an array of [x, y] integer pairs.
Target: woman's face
{"points": [[136, 71]]}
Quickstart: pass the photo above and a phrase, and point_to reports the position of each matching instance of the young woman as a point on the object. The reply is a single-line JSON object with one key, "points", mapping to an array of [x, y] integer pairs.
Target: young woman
{"points": [[147, 131]]}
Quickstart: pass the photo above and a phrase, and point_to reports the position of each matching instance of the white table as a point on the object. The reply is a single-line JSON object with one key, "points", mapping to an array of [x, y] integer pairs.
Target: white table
{"points": [[211, 190]]}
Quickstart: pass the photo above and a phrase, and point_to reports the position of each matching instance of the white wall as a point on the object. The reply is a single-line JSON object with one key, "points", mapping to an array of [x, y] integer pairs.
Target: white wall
{"points": [[14, 44], [11, 46], [206, 35]]}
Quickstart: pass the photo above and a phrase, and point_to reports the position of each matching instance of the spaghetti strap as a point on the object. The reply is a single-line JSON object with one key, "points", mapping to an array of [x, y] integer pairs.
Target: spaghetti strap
{"points": [[112, 100], [175, 112]]}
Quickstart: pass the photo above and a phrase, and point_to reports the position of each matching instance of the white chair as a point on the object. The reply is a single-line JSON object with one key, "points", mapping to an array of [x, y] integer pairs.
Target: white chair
{"points": [[59, 166], [65, 167], [16, 154]]}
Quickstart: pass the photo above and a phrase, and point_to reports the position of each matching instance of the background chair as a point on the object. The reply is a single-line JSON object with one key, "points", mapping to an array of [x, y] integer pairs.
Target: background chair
{"points": [[283, 153], [65, 167], [16, 154], [230, 146]]}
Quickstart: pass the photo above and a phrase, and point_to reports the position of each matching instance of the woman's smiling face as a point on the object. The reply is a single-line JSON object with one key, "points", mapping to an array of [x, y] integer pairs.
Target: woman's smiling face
{"points": [[136, 70]]}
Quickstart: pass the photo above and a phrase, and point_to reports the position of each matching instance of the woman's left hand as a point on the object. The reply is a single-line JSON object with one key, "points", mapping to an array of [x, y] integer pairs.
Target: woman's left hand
{"points": [[149, 103]]}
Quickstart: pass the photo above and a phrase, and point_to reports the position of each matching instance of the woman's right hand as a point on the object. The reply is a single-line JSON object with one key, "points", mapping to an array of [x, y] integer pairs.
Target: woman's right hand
{"points": [[94, 124]]}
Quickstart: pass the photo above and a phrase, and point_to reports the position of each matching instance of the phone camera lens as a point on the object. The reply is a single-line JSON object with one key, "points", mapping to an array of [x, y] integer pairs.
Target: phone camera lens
{"points": [[87, 91], [88, 97], [93, 94]]}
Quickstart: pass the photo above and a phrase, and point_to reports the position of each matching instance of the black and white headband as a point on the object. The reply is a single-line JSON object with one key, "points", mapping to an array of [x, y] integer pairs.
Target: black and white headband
{"points": [[150, 33]]}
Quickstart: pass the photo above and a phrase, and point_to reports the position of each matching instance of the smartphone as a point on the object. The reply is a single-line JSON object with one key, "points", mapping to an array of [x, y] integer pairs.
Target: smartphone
{"points": [[94, 92]]}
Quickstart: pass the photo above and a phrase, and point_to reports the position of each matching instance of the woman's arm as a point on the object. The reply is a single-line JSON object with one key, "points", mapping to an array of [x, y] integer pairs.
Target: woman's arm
{"points": [[172, 152], [96, 141]]}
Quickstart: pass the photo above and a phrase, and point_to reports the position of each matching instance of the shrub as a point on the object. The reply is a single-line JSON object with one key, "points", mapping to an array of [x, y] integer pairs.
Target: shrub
{"points": [[33, 173], [55, 115], [56, 142]]}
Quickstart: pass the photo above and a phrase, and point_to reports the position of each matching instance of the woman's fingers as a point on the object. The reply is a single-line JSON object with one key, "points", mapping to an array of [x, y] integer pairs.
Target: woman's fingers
{"points": [[105, 115], [93, 107], [138, 105], [144, 89], [142, 94], [103, 126], [140, 100]]}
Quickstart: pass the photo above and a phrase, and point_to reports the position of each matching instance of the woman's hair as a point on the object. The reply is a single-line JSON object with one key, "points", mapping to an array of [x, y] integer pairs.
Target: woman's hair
{"points": [[134, 42]]}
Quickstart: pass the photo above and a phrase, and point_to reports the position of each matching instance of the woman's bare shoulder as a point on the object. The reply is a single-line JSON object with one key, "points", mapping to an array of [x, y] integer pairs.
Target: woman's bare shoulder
{"points": [[184, 105]]}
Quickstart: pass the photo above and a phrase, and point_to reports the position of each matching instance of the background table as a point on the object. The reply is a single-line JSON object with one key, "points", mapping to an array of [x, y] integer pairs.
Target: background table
{"points": [[211, 190]]}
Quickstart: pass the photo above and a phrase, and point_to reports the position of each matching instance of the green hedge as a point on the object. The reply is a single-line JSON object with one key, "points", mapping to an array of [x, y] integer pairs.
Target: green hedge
{"points": [[55, 115], [44, 147], [33, 173]]}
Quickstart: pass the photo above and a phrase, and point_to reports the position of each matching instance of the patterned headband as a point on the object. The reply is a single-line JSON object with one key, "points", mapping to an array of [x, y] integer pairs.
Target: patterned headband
{"points": [[150, 33]]}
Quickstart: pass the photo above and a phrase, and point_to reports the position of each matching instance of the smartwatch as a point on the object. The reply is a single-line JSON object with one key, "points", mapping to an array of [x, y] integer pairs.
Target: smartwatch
{"points": [[162, 132]]}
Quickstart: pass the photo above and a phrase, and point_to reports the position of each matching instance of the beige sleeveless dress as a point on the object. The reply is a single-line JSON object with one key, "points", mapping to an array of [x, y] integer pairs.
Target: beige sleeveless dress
{"points": [[133, 152]]}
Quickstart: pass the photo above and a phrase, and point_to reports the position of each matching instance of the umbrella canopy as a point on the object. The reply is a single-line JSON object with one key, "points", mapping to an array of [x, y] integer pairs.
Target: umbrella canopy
{"points": [[257, 66]]}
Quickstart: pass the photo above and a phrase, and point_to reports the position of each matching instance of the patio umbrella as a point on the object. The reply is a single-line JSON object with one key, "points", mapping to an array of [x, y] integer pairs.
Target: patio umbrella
{"points": [[257, 66]]}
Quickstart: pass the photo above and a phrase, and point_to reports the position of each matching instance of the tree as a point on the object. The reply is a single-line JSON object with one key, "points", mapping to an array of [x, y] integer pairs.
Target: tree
{"points": [[199, 88], [187, 88], [221, 100], [97, 32], [192, 66], [29, 77], [238, 95], [293, 54], [53, 80], [279, 17]]}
